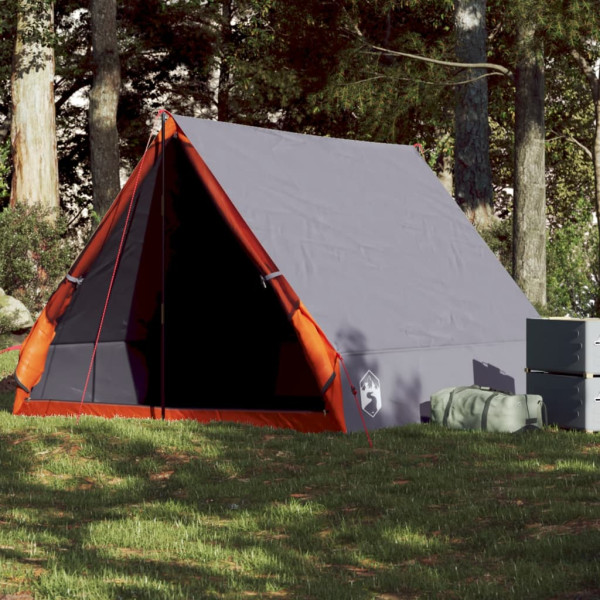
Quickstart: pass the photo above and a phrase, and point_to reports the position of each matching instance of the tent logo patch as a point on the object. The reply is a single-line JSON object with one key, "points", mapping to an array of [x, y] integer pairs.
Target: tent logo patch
{"points": [[370, 394]]}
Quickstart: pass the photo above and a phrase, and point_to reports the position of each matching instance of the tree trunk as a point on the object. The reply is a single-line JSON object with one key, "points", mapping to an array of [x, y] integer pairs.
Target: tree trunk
{"points": [[224, 70], [104, 99], [33, 126], [529, 218], [472, 171]]}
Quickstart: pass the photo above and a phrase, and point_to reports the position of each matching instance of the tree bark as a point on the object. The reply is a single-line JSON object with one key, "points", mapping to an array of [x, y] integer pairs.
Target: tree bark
{"points": [[472, 170], [224, 70], [529, 218], [33, 125], [104, 100]]}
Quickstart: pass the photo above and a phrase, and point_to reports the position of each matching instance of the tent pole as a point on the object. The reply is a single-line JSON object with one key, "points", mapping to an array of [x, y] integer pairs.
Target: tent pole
{"points": [[162, 271]]}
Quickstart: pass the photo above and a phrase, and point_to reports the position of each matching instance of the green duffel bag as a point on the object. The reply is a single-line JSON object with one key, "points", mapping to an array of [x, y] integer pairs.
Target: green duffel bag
{"points": [[475, 407]]}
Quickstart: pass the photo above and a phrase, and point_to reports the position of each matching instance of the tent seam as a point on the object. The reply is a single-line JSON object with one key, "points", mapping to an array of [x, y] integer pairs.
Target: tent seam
{"points": [[413, 348]]}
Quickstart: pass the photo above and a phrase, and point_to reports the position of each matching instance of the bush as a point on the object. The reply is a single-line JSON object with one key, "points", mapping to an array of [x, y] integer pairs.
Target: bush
{"points": [[499, 239], [34, 254], [572, 281], [572, 264], [4, 173]]}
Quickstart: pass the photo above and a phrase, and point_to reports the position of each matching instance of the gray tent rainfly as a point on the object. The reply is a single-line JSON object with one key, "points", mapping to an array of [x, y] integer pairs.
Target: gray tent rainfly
{"points": [[376, 253], [398, 279]]}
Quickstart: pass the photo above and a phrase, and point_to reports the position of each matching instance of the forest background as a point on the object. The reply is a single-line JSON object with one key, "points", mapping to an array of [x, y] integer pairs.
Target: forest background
{"points": [[502, 97]]}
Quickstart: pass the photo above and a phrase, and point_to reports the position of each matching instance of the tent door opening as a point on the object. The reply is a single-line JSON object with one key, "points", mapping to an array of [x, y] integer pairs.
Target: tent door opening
{"points": [[228, 342]]}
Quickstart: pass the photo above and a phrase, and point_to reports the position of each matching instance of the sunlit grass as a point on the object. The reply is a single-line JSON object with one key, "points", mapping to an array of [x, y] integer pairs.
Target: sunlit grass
{"points": [[8, 363]]}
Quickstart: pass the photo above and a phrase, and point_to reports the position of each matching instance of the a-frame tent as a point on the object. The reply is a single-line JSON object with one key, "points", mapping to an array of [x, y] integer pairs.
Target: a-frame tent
{"points": [[259, 274]]}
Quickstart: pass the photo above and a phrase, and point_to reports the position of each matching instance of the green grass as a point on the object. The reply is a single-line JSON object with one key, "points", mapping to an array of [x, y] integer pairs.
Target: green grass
{"points": [[115, 509], [8, 362]]}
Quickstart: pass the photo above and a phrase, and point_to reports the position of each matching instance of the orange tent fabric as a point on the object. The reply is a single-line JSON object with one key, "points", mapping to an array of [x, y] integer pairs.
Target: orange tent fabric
{"points": [[308, 352]]}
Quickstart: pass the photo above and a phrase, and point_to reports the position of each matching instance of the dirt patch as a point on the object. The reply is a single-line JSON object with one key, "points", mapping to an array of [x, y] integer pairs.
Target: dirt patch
{"points": [[589, 595], [161, 475], [175, 458], [537, 530], [7, 385]]}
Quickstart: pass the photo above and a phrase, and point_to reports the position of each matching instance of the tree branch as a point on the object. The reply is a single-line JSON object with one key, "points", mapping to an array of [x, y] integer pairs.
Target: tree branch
{"points": [[499, 69], [87, 205], [365, 80], [573, 140], [423, 81], [589, 72], [70, 91], [444, 63]]}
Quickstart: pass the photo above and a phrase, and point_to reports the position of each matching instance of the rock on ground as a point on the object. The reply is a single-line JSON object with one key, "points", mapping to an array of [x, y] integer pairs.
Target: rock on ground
{"points": [[16, 311]]}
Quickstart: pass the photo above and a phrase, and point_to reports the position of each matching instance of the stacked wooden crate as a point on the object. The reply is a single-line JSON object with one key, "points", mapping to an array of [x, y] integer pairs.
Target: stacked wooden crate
{"points": [[563, 366]]}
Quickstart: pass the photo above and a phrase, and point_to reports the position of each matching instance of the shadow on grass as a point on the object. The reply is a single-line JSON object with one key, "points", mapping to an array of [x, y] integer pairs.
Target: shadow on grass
{"points": [[62, 520], [6, 398], [158, 510], [240, 517]]}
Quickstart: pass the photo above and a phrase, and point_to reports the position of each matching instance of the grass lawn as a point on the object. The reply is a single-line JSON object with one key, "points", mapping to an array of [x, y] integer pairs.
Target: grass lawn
{"points": [[116, 509], [8, 360]]}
